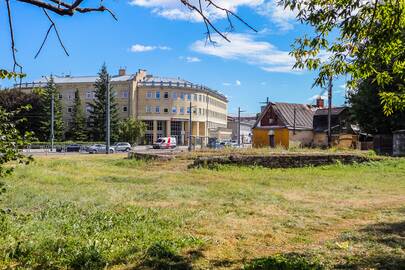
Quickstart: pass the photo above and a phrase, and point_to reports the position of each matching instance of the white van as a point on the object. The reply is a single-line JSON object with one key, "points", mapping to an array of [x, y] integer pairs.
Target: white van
{"points": [[165, 143]]}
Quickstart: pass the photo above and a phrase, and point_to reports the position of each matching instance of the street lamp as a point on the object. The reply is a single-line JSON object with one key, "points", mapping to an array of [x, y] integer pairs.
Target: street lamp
{"points": [[52, 115]]}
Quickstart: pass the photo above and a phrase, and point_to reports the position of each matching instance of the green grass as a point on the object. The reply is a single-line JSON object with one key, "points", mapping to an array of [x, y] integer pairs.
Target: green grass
{"points": [[92, 212]]}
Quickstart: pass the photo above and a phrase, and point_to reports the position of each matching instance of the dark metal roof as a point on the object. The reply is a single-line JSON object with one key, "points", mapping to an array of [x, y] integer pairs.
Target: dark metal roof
{"points": [[335, 111], [303, 115]]}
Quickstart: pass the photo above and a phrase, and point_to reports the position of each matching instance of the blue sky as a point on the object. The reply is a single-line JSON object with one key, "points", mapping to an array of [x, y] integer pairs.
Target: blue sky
{"points": [[167, 40]]}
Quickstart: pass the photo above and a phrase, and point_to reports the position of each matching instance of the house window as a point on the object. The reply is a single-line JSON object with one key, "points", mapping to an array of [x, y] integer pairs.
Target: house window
{"points": [[148, 109], [182, 96], [157, 94], [157, 109], [88, 95], [60, 96], [166, 95], [166, 110], [69, 109], [124, 109], [174, 95], [199, 111], [70, 96], [189, 96], [195, 97], [125, 94], [149, 95], [200, 98], [203, 98], [182, 110], [174, 110]]}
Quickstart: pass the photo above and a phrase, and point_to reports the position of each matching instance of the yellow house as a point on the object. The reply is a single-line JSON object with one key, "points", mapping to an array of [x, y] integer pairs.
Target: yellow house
{"points": [[284, 124]]}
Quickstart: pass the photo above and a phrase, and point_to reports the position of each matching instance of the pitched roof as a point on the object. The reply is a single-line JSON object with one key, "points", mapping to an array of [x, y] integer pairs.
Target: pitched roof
{"points": [[285, 111], [335, 111], [303, 115]]}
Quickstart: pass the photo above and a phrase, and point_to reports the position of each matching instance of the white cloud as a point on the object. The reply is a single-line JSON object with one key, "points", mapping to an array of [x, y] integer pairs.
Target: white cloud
{"points": [[238, 83], [190, 59], [245, 48], [175, 10], [226, 84], [145, 48], [282, 18]]}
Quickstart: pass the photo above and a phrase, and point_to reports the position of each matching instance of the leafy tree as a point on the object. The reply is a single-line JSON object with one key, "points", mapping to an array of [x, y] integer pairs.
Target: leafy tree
{"points": [[77, 127], [368, 112], [11, 141], [45, 119], [98, 114], [365, 39], [131, 130], [13, 100]]}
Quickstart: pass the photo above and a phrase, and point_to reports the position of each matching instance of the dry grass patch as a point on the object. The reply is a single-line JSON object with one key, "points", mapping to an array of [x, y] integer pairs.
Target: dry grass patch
{"points": [[107, 211]]}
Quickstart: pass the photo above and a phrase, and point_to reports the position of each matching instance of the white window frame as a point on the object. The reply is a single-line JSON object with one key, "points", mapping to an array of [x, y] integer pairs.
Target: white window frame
{"points": [[157, 109], [174, 109], [149, 95]]}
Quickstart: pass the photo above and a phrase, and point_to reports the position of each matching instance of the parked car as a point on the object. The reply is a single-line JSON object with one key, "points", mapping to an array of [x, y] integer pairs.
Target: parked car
{"points": [[99, 148], [165, 143], [122, 147], [73, 148]]}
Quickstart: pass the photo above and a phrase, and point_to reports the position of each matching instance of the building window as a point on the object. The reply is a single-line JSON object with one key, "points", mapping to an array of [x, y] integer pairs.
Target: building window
{"points": [[94, 94], [70, 96], [166, 95], [88, 95], [166, 110], [199, 111], [69, 109], [125, 94], [194, 110], [174, 110], [203, 98], [188, 110], [182, 110], [157, 109], [174, 95], [149, 95], [157, 94], [148, 109], [60, 96], [199, 98], [124, 109], [189, 96], [195, 97], [182, 96]]}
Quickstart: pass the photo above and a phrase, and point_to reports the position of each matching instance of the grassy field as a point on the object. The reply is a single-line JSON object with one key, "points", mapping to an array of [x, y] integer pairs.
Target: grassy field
{"points": [[96, 212]]}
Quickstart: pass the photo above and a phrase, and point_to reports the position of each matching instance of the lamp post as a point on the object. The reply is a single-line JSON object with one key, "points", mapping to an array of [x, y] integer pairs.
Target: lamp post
{"points": [[52, 135], [108, 124], [239, 111]]}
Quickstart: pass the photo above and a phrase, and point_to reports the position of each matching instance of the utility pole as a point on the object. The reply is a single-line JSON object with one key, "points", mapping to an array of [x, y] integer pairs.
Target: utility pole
{"points": [[108, 125], [52, 120], [190, 128], [330, 111], [239, 111]]}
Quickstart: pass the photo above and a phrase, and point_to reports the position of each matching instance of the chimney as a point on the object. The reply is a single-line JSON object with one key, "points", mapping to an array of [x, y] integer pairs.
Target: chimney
{"points": [[320, 103], [122, 72]]}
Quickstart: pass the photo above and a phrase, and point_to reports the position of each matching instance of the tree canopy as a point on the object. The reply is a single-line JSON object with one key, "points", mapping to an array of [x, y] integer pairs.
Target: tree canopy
{"points": [[363, 39]]}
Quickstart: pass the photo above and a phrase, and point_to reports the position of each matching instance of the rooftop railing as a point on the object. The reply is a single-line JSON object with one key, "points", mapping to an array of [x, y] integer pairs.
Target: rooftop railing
{"points": [[179, 84]]}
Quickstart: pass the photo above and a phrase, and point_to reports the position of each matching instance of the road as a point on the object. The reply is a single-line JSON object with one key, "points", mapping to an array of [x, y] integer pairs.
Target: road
{"points": [[141, 148]]}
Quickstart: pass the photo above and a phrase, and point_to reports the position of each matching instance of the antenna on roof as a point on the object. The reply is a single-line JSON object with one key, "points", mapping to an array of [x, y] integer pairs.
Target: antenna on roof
{"points": [[266, 102]]}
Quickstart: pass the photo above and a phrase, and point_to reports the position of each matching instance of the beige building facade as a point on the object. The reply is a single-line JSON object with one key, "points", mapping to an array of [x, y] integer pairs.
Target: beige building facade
{"points": [[162, 103]]}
